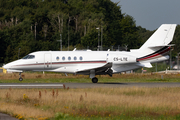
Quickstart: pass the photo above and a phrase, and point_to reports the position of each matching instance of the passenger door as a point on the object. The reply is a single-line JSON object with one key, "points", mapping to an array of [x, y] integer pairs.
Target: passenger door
{"points": [[47, 61]]}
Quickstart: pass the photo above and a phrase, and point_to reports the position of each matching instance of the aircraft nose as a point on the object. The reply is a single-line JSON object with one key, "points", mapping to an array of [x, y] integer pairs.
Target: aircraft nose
{"points": [[6, 66]]}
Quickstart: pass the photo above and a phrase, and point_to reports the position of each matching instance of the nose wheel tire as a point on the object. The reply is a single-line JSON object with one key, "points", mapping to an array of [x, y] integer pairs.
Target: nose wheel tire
{"points": [[94, 80], [20, 79]]}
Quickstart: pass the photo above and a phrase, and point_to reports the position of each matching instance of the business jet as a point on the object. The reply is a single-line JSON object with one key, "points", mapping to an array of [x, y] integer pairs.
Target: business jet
{"points": [[93, 63]]}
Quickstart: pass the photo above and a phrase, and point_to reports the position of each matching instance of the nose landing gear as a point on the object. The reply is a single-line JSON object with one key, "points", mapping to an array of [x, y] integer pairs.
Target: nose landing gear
{"points": [[20, 78]]}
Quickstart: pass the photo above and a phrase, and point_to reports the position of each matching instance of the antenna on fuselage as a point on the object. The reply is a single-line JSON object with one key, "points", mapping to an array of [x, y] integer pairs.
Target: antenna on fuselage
{"points": [[74, 49]]}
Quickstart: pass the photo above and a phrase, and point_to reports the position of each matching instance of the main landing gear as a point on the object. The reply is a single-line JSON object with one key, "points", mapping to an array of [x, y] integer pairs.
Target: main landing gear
{"points": [[20, 78], [92, 76], [94, 79]]}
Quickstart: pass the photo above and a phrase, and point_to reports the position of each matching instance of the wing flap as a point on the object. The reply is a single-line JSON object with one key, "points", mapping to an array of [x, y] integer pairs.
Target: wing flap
{"points": [[97, 69], [147, 65]]}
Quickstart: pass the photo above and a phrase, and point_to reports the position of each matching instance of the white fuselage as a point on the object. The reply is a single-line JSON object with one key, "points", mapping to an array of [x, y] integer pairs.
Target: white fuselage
{"points": [[75, 61]]}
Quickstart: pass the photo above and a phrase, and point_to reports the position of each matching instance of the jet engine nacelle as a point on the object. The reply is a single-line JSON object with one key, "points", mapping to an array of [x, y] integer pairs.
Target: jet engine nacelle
{"points": [[121, 59]]}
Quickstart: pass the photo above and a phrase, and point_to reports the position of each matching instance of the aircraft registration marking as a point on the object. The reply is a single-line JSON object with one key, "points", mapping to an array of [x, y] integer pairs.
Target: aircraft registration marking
{"points": [[120, 59]]}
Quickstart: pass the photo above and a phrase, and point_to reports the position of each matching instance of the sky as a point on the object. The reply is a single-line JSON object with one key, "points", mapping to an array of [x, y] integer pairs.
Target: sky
{"points": [[150, 14]]}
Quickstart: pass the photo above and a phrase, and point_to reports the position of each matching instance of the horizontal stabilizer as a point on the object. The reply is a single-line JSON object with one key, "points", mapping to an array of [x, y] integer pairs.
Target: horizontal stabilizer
{"points": [[161, 46]]}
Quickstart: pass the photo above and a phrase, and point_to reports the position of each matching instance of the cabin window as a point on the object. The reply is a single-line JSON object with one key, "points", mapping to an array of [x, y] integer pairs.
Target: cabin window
{"points": [[81, 58], [69, 58], [75, 58], [57, 58], [63, 58]]}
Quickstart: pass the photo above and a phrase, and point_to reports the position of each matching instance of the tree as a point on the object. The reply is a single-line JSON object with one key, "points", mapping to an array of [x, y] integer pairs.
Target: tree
{"points": [[35, 25]]}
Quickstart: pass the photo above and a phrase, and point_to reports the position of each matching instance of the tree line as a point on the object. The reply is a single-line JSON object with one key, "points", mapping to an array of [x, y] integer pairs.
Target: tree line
{"points": [[34, 25]]}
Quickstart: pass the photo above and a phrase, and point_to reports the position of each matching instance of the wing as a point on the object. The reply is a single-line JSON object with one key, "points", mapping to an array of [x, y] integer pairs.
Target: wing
{"points": [[99, 70], [18, 71]]}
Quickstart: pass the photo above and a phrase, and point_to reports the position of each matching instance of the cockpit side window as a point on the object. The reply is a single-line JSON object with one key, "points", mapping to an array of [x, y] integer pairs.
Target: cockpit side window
{"points": [[29, 57], [25, 57]]}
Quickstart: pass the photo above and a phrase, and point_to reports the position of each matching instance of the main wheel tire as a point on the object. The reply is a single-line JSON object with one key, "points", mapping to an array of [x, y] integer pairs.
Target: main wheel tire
{"points": [[20, 79], [94, 80]]}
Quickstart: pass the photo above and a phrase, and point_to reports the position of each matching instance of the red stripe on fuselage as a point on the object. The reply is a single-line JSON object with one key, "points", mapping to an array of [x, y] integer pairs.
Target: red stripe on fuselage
{"points": [[156, 54], [79, 62]]}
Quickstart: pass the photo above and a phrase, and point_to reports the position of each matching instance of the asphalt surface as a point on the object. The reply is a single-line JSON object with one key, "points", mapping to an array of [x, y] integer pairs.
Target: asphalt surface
{"points": [[6, 117], [84, 85]]}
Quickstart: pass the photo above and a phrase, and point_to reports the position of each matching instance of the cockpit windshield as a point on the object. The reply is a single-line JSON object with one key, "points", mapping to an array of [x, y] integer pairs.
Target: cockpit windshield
{"points": [[29, 57]]}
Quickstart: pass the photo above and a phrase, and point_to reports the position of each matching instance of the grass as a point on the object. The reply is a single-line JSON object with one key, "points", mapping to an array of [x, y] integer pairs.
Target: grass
{"points": [[94, 103], [61, 78]]}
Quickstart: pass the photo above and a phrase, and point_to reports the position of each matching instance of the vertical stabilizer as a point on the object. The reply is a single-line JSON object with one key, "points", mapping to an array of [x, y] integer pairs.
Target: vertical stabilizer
{"points": [[156, 48], [163, 36], [159, 40]]}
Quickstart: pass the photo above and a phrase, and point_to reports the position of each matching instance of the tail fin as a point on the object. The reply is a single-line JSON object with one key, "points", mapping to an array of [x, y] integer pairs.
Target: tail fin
{"points": [[157, 45], [162, 37]]}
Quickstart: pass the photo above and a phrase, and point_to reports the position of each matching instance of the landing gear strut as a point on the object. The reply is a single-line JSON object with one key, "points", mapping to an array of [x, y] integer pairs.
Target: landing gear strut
{"points": [[20, 78], [92, 76], [94, 80]]}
